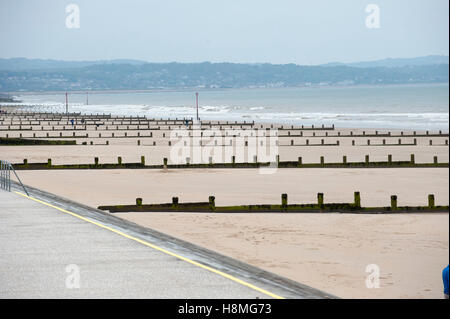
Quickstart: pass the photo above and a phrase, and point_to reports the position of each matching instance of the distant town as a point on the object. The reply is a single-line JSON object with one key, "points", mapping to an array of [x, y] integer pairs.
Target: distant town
{"points": [[21, 74]]}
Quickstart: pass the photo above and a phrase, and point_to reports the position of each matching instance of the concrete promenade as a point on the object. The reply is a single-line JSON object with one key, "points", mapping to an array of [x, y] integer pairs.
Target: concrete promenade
{"points": [[46, 241]]}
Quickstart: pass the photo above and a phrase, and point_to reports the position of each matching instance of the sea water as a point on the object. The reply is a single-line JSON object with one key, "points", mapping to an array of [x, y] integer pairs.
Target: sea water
{"points": [[403, 106]]}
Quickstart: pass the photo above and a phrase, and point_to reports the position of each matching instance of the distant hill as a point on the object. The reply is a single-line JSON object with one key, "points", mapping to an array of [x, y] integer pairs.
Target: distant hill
{"points": [[24, 64], [137, 75], [395, 63]]}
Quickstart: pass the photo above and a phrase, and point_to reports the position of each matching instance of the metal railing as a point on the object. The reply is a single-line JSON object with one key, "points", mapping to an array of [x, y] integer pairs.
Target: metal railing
{"points": [[5, 176]]}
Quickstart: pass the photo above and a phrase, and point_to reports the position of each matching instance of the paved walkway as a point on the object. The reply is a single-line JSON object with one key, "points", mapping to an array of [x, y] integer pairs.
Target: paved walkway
{"points": [[42, 248]]}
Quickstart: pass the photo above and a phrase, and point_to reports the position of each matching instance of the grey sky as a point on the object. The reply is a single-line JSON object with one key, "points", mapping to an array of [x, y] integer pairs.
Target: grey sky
{"points": [[281, 31]]}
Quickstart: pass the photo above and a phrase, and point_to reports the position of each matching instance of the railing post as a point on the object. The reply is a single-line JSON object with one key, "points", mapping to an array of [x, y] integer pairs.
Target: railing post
{"points": [[5, 176]]}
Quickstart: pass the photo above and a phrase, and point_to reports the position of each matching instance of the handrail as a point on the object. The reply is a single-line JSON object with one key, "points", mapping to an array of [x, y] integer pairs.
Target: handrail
{"points": [[5, 176]]}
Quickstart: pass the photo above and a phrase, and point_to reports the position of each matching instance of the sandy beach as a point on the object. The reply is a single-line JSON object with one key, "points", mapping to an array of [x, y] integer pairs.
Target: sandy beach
{"points": [[244, 186], [252, 151], [326, 251]]}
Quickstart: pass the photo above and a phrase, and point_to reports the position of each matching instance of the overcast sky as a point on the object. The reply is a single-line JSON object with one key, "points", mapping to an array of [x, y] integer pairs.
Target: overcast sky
{"points": [[276, 31]]}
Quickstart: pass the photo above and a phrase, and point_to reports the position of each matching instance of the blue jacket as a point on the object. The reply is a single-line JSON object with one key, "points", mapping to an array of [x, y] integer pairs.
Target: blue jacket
{"points": [[445, 279]]}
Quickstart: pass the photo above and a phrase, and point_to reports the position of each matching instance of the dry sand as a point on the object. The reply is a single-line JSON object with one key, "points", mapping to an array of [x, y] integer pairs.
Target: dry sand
{"points": [[128, 149], [328, 252], [154, 154], [244, 186]]}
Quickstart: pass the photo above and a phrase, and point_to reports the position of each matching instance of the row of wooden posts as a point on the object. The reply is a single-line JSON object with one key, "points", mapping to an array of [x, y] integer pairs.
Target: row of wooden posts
{"points": [[320, 201], [158, 126], [255, 160], [169, 143]]}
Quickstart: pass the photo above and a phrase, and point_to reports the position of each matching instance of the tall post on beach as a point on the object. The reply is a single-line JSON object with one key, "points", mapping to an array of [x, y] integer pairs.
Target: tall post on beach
{"points": [[87, 98], [196, 103], [67, 104]]}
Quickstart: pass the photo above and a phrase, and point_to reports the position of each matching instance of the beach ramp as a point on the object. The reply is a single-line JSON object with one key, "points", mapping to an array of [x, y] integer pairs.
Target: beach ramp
{"points": [[51, 247]]}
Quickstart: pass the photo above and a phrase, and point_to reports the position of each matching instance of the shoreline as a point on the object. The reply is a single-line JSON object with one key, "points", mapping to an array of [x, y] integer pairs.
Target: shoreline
{"points": [[248, 119], [222, 89]]}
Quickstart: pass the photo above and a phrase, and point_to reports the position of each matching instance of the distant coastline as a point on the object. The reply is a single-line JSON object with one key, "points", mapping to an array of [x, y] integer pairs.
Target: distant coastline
{"points": [[112, 91], [201, 76]]}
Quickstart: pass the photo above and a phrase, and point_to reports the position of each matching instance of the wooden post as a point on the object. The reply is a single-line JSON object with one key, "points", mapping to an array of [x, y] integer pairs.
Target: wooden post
{"points": [[320, 200], [394, 202], [96, 161], [143, 160], [119, 160], [413, 159], [431, 203], [175, 202], [357, 197], [284, 201], [212, 203]]}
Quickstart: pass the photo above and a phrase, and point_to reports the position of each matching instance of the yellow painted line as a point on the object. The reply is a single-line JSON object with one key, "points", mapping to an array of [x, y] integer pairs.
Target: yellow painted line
{"points": [[218, 272]]}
